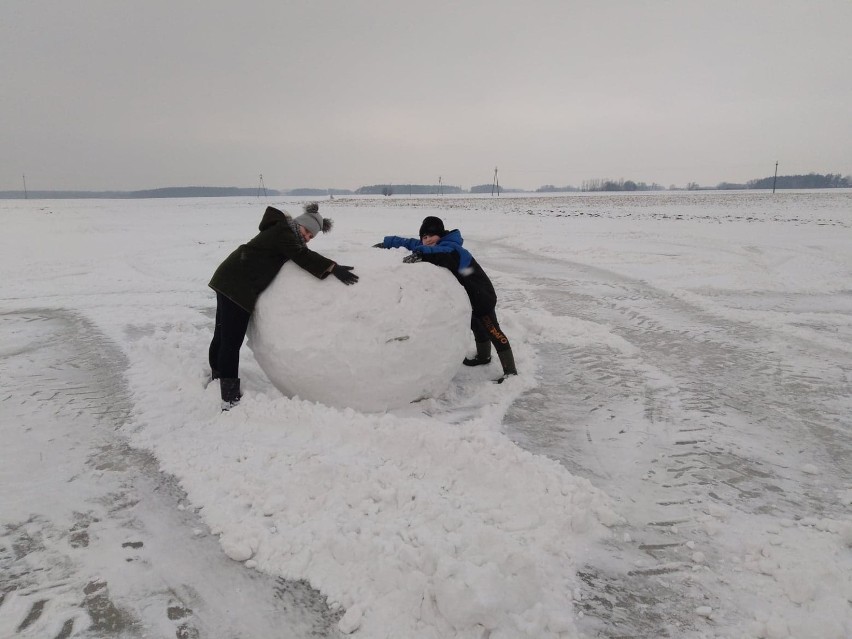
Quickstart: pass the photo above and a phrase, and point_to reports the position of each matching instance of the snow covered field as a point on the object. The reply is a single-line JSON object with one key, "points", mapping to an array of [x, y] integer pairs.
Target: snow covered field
{"points": [[672, 461]]}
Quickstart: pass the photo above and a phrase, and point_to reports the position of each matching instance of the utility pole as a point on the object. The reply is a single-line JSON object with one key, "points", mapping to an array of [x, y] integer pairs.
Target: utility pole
{"points": [[26, 196], [440, 186], [495, 184], [261, 186], [775, 178]]}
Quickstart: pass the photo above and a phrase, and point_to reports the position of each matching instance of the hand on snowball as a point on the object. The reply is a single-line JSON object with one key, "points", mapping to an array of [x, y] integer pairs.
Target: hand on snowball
{"points": [[411, 259], [344, 274]]}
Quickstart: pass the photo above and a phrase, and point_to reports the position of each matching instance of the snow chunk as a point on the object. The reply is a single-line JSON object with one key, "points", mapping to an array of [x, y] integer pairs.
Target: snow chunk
{"points": [[396, 336], [238, 548], [351, 621]]}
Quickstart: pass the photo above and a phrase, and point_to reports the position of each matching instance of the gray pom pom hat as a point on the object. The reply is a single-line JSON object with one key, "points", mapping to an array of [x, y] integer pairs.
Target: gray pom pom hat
{"points": [[313, 221]]}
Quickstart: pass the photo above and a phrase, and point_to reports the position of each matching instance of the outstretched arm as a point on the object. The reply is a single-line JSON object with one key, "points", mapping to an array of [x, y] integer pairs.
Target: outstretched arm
{"points": [[394, 241], [287, 244]]}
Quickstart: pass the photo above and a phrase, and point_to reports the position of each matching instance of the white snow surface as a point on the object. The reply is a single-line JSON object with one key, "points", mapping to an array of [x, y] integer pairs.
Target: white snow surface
{"points": [[607, 467], [395, 337]]}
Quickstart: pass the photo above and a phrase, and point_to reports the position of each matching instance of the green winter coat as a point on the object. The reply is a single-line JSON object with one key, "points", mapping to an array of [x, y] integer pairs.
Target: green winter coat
{"points": [[246, 272]]}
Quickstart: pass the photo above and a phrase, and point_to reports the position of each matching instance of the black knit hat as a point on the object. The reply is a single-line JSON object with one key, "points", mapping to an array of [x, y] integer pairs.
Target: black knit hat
{"points": [[432, 226]]}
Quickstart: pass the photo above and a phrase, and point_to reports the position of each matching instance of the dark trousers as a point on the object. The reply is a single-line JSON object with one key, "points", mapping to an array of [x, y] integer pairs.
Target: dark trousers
{"points": [[486, 328], [231, 326]]}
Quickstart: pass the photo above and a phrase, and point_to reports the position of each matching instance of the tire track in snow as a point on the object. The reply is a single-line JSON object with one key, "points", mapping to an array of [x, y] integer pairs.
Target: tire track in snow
{"points": [[733, 432], [94, 540]]}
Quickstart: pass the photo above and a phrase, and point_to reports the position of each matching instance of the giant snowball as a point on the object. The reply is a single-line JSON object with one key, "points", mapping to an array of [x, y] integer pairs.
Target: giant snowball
{"points": [[396, 336]]}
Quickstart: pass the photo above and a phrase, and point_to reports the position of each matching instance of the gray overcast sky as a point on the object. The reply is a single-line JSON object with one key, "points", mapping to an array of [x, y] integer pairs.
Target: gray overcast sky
{"points": [[111, 94]]}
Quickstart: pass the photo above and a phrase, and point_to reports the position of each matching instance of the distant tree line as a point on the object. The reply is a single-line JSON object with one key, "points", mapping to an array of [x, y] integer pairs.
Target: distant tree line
{"points": [[195, 191], [619, 185], [809, 181], [407, 189], [487, 188], [602, 185], [168, 192], [549, 188], [317, 192]]}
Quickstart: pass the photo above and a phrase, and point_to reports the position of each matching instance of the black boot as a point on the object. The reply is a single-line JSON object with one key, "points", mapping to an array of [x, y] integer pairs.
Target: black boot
{"points": [[483, 355], [231, 394], [507, 359]]}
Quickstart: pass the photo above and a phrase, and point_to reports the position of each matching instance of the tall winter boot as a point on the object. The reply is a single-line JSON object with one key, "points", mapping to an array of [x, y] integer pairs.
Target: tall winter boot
{"points": [[231, 394], [483, 355], [507, 359]]}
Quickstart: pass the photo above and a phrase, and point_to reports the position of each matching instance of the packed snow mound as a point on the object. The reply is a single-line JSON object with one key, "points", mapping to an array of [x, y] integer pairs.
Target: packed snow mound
{"points": [[396, 336]]}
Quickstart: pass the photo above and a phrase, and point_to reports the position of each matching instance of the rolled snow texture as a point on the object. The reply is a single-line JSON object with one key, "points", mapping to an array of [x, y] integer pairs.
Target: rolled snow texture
{"points": [[395, 337]]}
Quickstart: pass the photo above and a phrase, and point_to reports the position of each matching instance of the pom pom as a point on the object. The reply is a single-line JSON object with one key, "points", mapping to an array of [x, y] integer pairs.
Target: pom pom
{"points": [[327, 223], [312, 207]]}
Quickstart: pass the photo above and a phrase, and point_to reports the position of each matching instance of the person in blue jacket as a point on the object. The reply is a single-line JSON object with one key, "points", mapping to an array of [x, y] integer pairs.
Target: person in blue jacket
{"points": [[444, 248]]}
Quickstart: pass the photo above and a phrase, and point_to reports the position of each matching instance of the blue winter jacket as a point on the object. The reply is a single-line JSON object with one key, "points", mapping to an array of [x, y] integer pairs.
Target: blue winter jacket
{"points": [[450, 254]]}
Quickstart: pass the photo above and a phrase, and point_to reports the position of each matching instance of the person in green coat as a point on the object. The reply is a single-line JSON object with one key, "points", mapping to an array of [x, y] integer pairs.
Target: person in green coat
{"points": [[246, 273]]}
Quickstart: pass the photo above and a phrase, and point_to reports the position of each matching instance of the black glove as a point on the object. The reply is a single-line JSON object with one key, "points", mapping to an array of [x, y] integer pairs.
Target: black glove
{"points": [[344, 274], [379, 245], [411, 259]]}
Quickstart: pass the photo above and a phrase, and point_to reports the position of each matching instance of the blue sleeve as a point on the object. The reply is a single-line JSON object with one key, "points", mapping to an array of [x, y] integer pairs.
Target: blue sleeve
{"points": [[463, 255], [411, 243]]}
